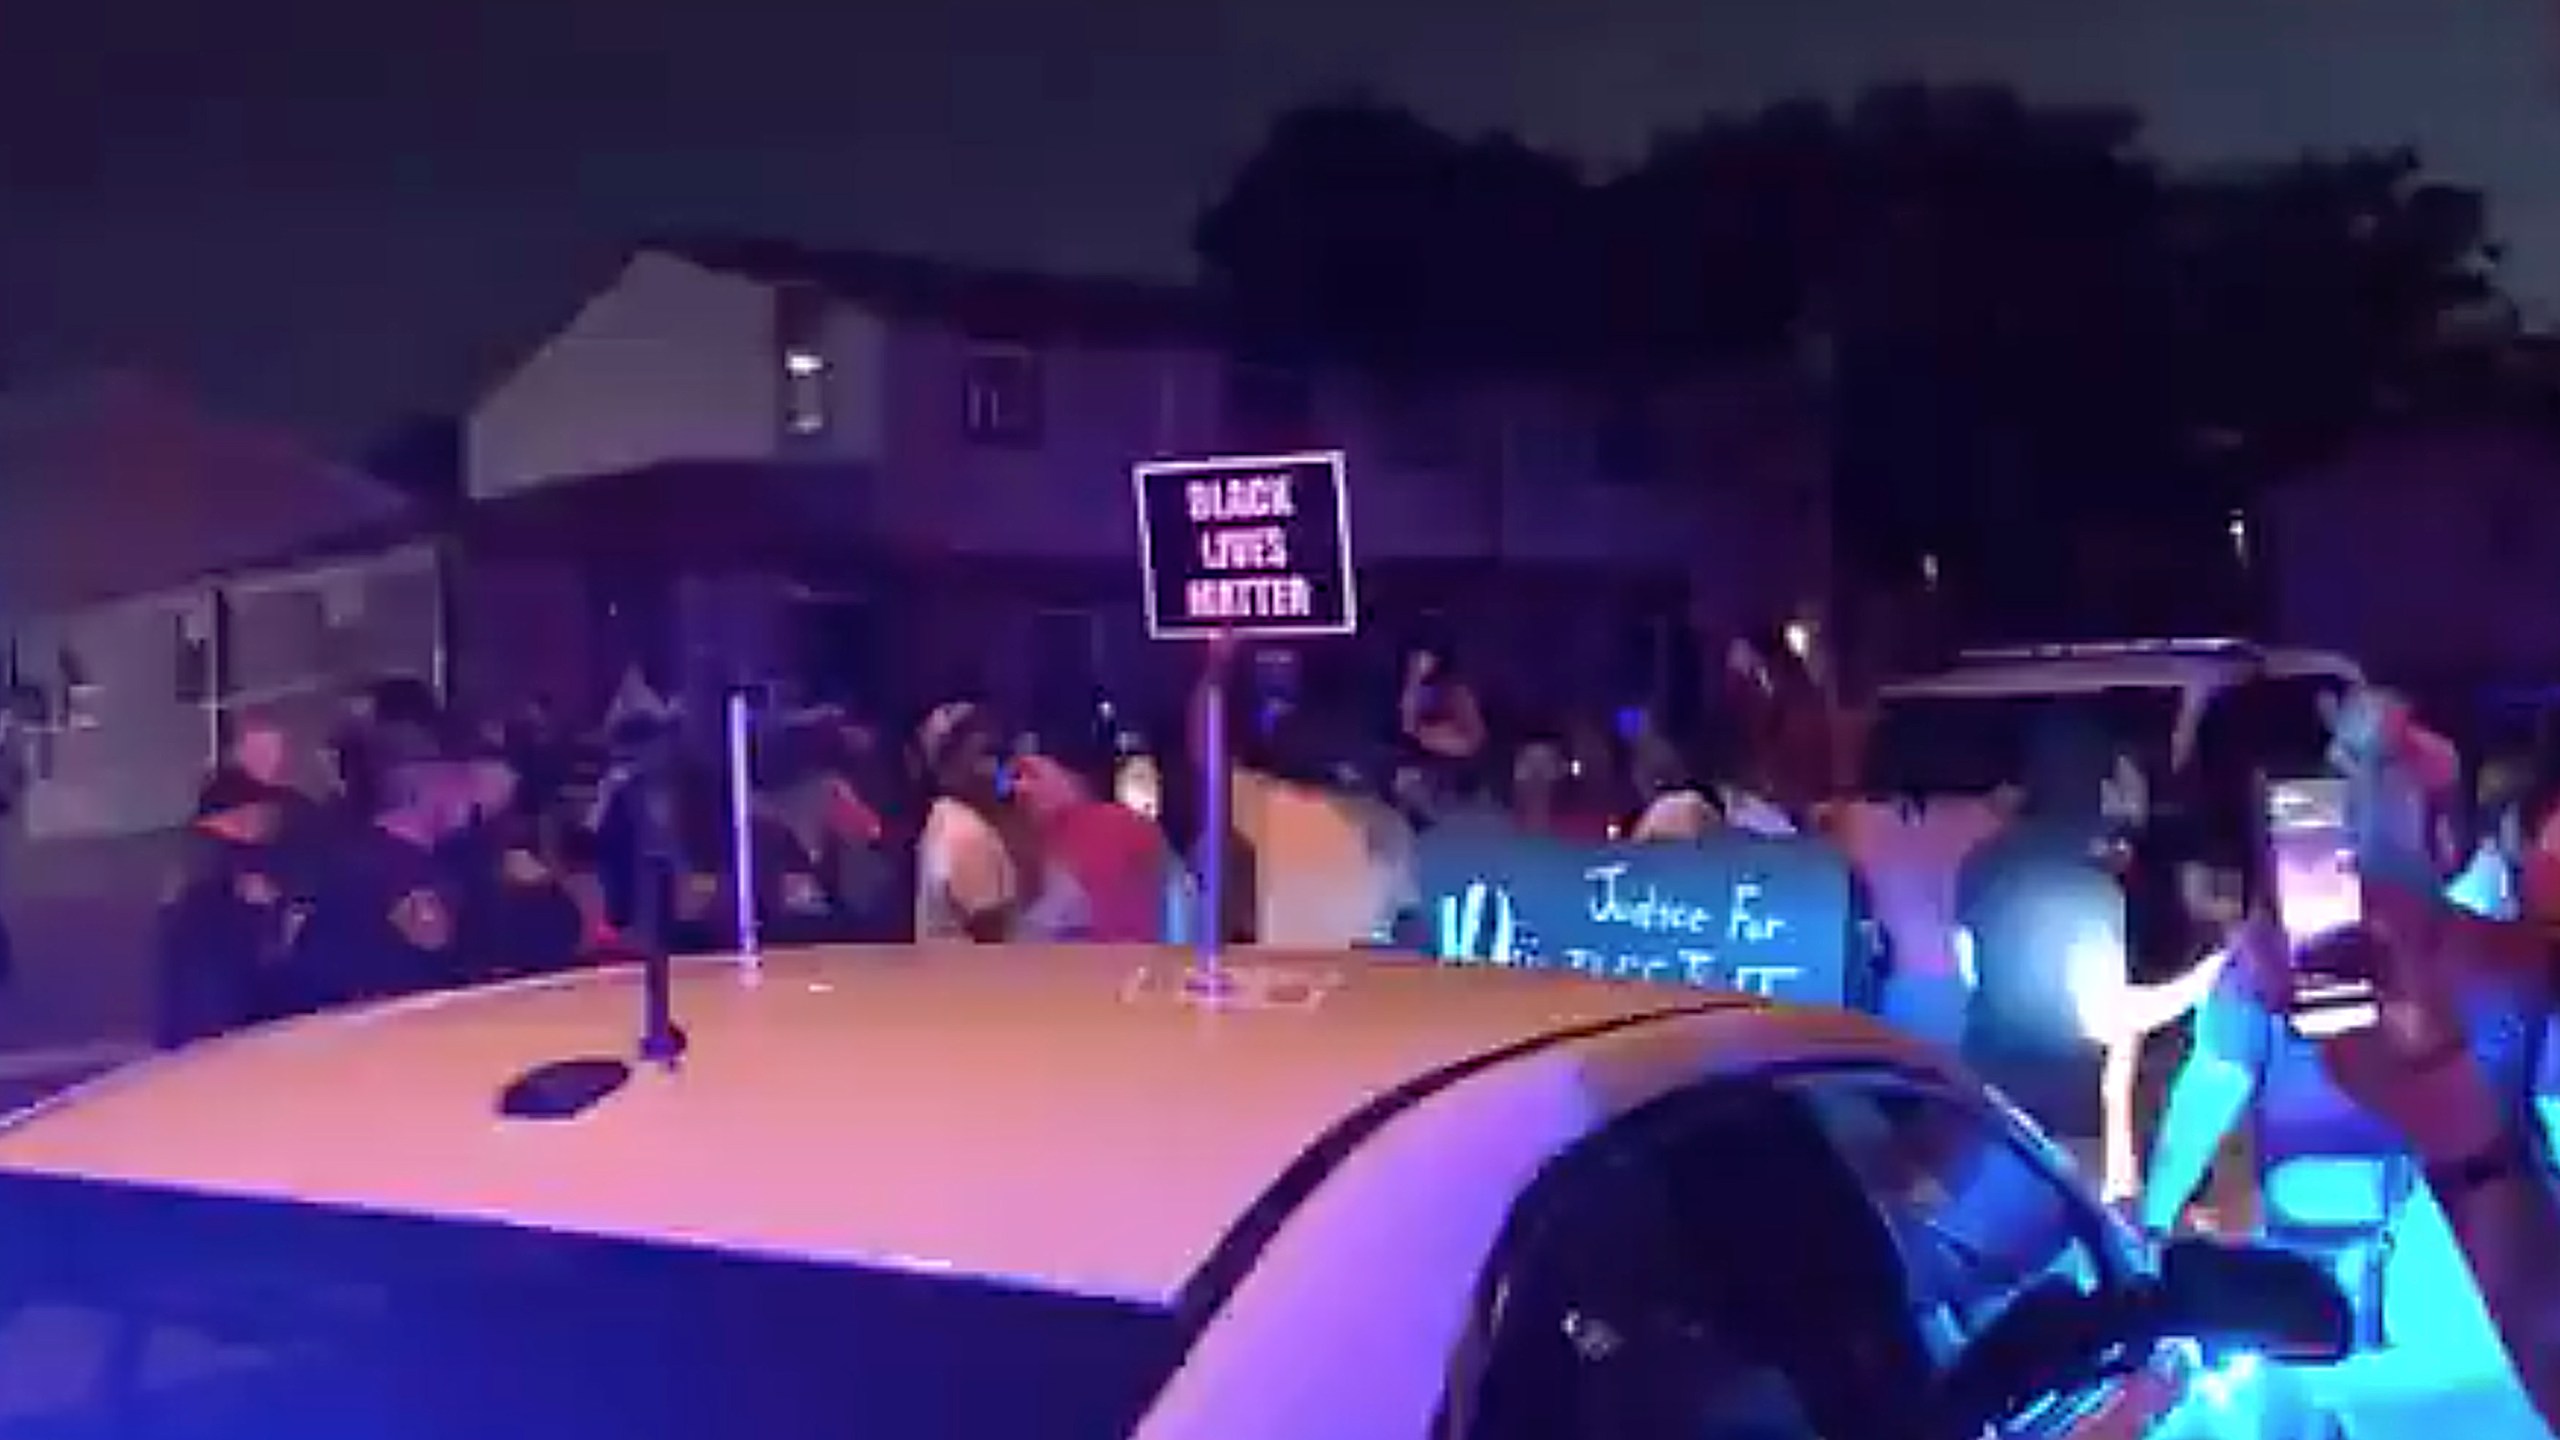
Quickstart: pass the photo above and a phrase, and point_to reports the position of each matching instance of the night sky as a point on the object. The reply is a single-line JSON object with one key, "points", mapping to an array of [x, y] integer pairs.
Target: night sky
{"points": [[332, 214]]}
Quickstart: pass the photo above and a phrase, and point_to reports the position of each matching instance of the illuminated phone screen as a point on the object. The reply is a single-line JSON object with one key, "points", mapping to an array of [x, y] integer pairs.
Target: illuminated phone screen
{"points": [[2313, 858], [2318, 891]]}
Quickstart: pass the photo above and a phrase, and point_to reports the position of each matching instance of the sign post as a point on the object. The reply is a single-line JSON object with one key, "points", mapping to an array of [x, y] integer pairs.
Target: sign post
{"points": [[1216, 775], [1233, 549]]}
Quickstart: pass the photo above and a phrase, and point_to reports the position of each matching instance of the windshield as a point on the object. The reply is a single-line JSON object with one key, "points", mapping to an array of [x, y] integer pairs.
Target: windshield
{"points": [[1953, 744], [142, 1312], [2277, 726]]}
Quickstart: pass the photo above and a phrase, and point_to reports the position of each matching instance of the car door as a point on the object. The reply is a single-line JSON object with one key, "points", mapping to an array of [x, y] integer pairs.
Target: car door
{"points": [[1705, 1268], [1782, 1257]]}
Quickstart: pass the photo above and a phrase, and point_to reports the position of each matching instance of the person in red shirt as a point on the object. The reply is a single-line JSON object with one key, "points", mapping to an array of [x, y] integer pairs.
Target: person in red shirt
{"points": [[1107, 864]]}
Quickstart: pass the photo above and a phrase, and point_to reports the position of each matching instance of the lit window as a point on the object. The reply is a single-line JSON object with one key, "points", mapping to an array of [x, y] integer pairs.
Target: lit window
{"points": [[1000, 395], [800, 328], [804, 391]]}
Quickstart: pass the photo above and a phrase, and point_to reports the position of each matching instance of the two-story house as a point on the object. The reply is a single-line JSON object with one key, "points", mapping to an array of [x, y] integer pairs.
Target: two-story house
{"points": [[918, 477]]}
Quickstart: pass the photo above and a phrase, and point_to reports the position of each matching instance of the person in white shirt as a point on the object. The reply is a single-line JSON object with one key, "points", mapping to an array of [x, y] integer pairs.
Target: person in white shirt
{"points": [[968, 884], [1332, 868]]}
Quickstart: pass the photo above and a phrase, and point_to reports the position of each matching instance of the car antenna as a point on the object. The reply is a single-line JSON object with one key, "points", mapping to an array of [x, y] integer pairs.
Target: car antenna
{"points": [[662, 1041], [567, 1089]]}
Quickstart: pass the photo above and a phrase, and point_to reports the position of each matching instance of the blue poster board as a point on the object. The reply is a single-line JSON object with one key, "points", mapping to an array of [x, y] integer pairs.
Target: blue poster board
{"points": [[1734, 912]]}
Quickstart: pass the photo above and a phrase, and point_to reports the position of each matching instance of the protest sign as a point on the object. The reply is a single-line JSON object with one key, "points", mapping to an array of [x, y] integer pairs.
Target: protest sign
{"points": [[1734, 911], [1250, 547]]}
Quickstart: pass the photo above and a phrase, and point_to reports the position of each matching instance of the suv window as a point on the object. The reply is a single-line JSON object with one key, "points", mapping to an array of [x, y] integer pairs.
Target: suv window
{"points": [[1949, 744], [1707, 1269], [2276, 726], [1978, 1219]]}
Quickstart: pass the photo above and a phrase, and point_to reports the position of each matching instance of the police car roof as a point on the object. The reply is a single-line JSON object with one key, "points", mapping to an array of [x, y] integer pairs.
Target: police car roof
{"points": [[1062, 1118], [2077, 668]]}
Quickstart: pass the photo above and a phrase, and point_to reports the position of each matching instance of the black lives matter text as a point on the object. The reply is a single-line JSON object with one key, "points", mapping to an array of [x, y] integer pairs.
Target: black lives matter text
{"points": [[1243, 525]]}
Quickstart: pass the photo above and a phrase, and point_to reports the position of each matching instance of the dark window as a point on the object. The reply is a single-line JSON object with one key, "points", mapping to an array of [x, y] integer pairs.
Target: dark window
{"points": [[837, 643], [1063, 667], [1269, 407], [1000, 394], [287, 1322], [1624, 449], [632, 627], [77, 707], [1958, 744], [2278, 727], [1548, 450], [1977, 1218], [1423, 429]]}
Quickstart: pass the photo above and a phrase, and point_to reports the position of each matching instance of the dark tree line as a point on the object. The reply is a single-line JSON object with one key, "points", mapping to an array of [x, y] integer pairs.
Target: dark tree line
{"points": [[2029, 325]]}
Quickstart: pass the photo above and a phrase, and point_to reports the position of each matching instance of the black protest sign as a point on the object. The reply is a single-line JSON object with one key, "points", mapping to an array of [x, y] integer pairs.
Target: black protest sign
{"points": [[1733, 912], [1255, 546]]}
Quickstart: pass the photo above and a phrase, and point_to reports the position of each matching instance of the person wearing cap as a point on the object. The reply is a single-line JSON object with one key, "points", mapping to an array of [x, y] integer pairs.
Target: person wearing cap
{"points": [[385, 920], [517, 916], [968, 884], [224, 924]]}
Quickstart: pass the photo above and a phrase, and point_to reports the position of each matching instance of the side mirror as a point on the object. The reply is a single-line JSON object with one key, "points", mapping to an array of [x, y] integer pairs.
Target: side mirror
{"points": [[2254, 1298], [2246, 1299]]}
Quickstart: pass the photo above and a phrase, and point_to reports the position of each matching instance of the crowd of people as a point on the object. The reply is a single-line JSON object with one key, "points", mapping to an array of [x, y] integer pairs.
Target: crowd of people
{"points": [[436, 851]]}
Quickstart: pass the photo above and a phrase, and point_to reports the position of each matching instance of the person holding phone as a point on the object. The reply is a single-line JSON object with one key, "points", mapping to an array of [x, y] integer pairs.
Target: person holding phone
{"points": [[2335, 1181], [2487, 1186]]}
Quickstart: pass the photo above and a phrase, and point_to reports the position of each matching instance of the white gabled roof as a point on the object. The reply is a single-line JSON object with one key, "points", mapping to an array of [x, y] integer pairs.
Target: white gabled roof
{"points": [[1057, 1117]]}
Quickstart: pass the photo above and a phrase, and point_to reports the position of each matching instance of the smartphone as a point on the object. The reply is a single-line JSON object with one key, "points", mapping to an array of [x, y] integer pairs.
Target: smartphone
{"points": [[2318, 890]]}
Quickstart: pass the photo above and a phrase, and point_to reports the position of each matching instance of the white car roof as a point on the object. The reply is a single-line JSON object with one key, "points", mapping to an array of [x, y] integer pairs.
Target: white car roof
{"points": [[2073, 670], [1059, 1117]]}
